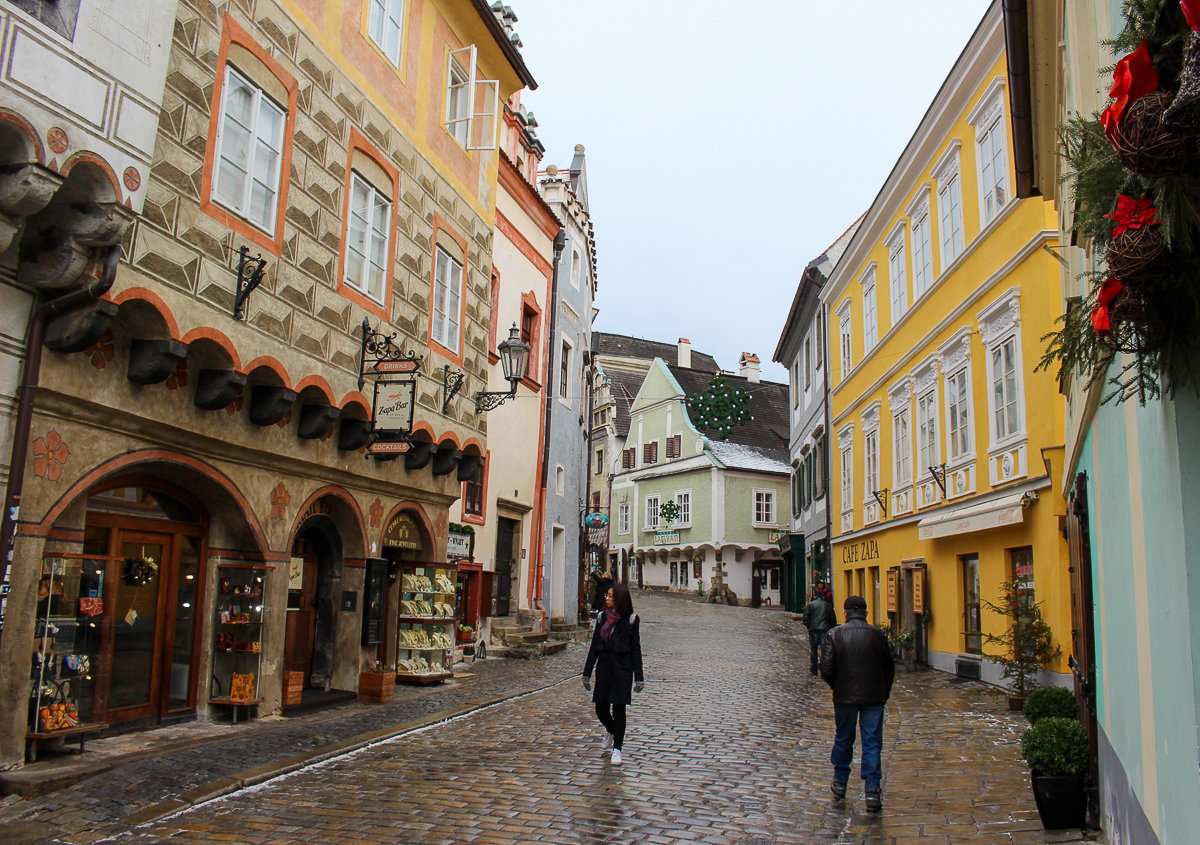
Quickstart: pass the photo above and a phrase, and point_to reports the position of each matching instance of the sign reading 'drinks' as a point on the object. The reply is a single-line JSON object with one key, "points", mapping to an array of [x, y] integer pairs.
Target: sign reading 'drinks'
{"points": [[858, 552], [394, 402]]}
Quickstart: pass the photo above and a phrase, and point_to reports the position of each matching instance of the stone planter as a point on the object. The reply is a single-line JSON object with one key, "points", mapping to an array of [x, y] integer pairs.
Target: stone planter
{"points": [[376, 686]]}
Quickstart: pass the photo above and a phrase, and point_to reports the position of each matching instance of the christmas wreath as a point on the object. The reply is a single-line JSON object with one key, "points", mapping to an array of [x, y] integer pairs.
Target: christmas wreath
{"points": [[720, 407], [1134, 171], [140, 571]]}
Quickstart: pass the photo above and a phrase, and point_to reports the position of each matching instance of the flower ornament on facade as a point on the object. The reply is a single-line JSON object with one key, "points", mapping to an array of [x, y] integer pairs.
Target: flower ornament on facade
{"points": [[279, 500], [1133, 213], [102, 351], [1101, 319], [376, 513], [1133, 77], [50, 453]]}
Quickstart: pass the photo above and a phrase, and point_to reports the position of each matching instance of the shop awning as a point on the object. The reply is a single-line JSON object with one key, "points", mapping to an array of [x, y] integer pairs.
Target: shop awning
{"points": [[1007, 510]]}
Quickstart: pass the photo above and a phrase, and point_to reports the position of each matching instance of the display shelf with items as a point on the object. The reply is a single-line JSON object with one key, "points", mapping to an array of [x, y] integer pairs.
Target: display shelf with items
{"points": [[428, 617], [237, 637], [66, 643]]}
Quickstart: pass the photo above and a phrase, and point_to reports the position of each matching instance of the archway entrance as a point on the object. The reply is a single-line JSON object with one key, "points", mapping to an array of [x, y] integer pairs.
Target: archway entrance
{"points": [[313, 580], [142, 553]]}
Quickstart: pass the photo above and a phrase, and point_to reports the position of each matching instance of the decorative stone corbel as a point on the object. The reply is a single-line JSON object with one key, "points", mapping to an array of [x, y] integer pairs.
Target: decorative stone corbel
{"points": [[79, 328], [446, 461], [215, 389], [25, 189], [269, 403], [419, 456], [353, 435], [316, 420], [152, 361]]}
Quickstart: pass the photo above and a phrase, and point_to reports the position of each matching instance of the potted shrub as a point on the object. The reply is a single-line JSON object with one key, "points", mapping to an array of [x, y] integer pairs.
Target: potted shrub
{"points": [[1049, 701], [905, 641], [376, 684], [1025, 647], [465, 633], [1056, 749]]}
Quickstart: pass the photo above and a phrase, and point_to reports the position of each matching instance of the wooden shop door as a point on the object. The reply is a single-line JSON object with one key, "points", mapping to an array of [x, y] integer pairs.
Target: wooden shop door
{"points": [[300, 633], [142, 627], [507, 530]]}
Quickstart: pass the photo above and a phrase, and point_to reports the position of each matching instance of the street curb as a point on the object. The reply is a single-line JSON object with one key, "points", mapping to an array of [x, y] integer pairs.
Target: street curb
{"points": [[268, 771]]}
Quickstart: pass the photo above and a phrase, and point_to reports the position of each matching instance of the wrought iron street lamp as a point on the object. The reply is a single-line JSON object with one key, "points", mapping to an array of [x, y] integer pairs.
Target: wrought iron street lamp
{"points": [[514, 361]]}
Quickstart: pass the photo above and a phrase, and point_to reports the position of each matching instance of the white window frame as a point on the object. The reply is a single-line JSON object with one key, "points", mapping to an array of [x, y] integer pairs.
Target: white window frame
{"points": [[560, 480], [576, 267], [1005, 393], [566, 352], [958, 415], [819, 336], [845, 333], [847, 478], [1000, 324], [922, 244], [386, 18], [902, 457], [818, 465], [446, 328], [652, 512], [797, 476], [472, 104], [366, 240], [928, 445], [623, 518], [870, 310], [947, 172], [240, 199], [870, 464], [991, 152], [898, 273], [683, 498], [808, 362], [763, 503]]}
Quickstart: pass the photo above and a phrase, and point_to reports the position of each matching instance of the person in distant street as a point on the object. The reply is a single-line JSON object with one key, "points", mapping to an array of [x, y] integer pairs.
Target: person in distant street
{"points": [[601, 581], [857, 664], [818, 618], [616, 655]]}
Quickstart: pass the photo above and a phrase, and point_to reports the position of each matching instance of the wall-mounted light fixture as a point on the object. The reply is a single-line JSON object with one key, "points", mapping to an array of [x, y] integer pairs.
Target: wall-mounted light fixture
{"points": [[249, 276], [514, 361]]}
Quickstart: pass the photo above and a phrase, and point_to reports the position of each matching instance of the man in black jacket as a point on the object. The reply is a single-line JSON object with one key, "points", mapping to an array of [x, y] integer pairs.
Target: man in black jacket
{"points": [[818, 618], [857, 663]]}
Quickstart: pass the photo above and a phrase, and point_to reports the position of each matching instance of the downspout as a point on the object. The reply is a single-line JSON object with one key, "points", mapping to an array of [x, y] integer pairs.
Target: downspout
{"points": [[589, 447], [30, 372], [560, 241], [828, 450], [1016, 44]]}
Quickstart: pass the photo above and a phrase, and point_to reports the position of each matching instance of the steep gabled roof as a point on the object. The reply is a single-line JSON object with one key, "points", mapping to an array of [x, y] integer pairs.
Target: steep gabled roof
{"points": [[766, 434], [624, 386], [624, 346]]}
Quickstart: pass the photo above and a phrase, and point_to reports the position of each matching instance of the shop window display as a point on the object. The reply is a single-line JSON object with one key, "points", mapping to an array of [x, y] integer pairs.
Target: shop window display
{"points": [[428, 620], [237, 646]]}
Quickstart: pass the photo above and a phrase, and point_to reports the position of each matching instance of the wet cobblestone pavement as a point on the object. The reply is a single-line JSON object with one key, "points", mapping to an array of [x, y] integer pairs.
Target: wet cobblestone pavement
{"points": [[728, 744]]}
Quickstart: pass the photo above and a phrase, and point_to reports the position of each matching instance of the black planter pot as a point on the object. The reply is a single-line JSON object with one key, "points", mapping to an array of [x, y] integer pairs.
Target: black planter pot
{"points": [[1061, 800]]}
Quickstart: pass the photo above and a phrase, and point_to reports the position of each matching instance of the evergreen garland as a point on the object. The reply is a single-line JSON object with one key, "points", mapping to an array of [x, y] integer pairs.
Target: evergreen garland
{"points": [[1144, 369], [720, 407]]}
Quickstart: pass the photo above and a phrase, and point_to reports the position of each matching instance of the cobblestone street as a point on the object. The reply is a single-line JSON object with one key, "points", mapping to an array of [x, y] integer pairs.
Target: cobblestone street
{"points": [[728, 744]]}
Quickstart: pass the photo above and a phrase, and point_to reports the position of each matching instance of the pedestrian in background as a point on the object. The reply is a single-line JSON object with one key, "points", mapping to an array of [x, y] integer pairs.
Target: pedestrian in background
{"points": [[818, 618], [601, 581], [616, 655], [857, 664]]}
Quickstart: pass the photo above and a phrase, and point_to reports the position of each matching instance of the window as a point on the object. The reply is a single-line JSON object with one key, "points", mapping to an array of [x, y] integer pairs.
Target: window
{"points": [[596, 501], [560, 481], [819, 462], [950, 215], [249, 152], [683, 498], [972, 623], [576, 268], [922, 248], [902, 448], [1006, 389], [652, 513], [898, 275], [472, 104], [871, 463], [847, 479], [600, 417], [844, 331], [650, 452], [447, 299], [764, 507], [991, 152], [797, 482], [675, 446], [927, 446], [530, 332], [958, 412], [623, 518], [599, 462], [870, 311], [629, 458], [818, 339], [1022, 576], [473, 496], [385, 26], [564, 372], [808, 359], [367, 239]]}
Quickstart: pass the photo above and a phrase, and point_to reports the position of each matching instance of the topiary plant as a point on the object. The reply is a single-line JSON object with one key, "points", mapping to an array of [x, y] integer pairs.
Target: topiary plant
{"points": [[1055, 746], [1049, 701]]}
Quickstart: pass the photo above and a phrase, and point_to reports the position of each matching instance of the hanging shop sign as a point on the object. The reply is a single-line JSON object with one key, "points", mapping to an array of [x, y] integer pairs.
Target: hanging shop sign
{"points": [[663, 538], [775, 536], [893, 585], [596, 519], [394, 402], [458, 545], [918, 589], [402, 533]]}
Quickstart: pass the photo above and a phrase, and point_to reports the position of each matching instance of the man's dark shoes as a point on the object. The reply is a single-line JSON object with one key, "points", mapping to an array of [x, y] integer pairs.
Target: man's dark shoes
{"points": [[838, 788], [874, 800]]}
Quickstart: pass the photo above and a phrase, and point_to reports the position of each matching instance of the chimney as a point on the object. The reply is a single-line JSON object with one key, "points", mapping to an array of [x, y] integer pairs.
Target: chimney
{"points": [[748, 367], [684, 358]]}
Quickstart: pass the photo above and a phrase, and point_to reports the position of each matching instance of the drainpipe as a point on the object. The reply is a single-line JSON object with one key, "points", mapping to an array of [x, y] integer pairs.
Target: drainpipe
{"points": [[589, 447], [1016, 42], [825, 459], [30, 372], [560, 241]]}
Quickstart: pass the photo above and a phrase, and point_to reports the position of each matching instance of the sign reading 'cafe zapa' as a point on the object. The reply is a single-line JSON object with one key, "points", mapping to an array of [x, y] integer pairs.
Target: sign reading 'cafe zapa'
{"points": [[860, 552]]}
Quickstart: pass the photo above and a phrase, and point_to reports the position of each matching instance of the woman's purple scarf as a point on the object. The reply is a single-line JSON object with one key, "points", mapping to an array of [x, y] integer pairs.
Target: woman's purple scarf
{"points": [[610, 621]]}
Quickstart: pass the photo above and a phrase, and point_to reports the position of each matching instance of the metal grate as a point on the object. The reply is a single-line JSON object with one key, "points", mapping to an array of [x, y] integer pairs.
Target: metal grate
{"points": [[971, 670]]}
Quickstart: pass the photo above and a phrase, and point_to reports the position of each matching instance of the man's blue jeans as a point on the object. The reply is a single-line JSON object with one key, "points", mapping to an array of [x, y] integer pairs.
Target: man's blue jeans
{"points": [[846, 717]]}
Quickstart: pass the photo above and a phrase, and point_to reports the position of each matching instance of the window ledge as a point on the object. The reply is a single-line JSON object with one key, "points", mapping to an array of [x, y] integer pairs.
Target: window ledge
{"points": [[1018, 439]]}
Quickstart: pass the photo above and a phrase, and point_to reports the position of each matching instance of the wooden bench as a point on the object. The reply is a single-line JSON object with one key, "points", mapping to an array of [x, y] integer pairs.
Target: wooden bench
{"points": [[235, 703], [81, 730]]}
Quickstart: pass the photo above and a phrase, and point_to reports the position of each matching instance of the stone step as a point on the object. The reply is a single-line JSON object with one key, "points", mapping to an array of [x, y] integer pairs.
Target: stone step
{"points": [[510, 628], [527, 638], [528, 652]]}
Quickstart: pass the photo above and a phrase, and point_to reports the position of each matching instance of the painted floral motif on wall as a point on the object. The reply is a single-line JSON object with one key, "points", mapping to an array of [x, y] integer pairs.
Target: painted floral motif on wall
{"points": [[179, 378], [50, 454], [376, 513], [102, 351]]}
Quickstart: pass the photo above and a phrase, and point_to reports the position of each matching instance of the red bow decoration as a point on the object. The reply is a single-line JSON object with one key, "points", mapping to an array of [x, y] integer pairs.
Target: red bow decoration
{"points": [[1191, 11], [1133, 214], [1108, 292], [1133, 77]]}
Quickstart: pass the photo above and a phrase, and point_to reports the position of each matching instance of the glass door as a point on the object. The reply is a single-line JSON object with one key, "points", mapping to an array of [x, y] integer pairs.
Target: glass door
{"points": [[139, 608]]}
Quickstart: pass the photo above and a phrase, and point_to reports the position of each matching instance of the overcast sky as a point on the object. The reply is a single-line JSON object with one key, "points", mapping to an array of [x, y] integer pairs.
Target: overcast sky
{"points": [[729, 143]]}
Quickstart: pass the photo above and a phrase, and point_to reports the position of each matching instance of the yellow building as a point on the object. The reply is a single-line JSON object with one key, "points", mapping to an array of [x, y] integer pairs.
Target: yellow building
{"points": [[947, 445]]}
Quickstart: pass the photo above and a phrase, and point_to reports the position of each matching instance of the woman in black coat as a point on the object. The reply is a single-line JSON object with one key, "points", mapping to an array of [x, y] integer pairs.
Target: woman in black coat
{"points": [[616, 655]]}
